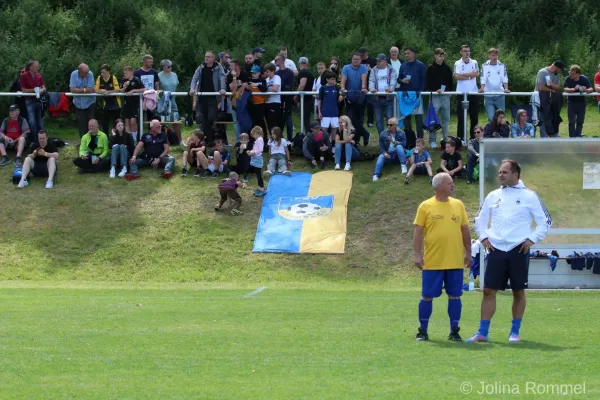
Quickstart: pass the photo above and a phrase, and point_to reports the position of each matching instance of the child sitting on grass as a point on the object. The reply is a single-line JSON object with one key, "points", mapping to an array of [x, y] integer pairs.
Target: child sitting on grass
{"points": [[228, 191], [190, 155], [278, 147], [420, 162]]}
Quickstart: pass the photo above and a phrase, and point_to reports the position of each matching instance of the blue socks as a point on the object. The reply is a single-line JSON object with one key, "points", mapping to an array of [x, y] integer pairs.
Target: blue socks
{"points": [[425, 310], [516, 325], [484, 327], [454, 311]]}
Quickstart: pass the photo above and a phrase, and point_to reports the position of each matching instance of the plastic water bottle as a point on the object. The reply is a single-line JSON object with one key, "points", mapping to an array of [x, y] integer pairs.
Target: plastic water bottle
{"points": [[471, 283]]}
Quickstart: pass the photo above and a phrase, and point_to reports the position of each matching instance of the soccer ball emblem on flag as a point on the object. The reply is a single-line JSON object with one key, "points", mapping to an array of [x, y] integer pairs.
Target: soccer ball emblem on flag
{"points": [[300, 208]]}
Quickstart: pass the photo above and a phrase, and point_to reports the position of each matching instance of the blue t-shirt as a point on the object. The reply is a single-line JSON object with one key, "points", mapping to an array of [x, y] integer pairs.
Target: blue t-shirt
{"points": [[225, 156], [168, 83], [353, 76], [571, 83], [154, 145], [329, 101], [421, 156]]}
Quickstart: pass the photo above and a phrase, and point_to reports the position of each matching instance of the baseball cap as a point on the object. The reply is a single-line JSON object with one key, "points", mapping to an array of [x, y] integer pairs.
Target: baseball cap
{"points": [[381, 57], [559, 64], [258, 50], [363, 50], [255, 69], [439, 50], [223, 54], [13, 107], [315, 124], [303, 60]]}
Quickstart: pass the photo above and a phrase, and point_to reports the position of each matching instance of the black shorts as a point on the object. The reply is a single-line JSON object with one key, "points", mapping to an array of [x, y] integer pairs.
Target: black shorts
{"points": [[131, 109], [40, 169], [421, 170], [503, 266]]}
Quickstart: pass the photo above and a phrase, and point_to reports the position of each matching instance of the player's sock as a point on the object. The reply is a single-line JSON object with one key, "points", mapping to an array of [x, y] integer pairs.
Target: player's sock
{"points": [[516, 326], [454, 311], [425, 310], [484, 327]]}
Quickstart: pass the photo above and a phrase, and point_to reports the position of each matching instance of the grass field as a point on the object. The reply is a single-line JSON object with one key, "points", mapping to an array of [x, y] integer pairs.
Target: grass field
{"points": [[114, 289]]}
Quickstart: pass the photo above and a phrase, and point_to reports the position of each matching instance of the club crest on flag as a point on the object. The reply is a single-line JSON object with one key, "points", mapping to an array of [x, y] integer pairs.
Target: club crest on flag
{"points": [[303, 208]]}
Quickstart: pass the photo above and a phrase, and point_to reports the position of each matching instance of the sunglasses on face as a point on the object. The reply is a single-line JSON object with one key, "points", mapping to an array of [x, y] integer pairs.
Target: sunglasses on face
{"points": [[391, 124]]}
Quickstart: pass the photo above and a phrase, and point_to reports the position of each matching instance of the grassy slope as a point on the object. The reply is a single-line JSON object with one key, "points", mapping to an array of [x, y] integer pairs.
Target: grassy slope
{"points": [[92, 228], [281, 343]]}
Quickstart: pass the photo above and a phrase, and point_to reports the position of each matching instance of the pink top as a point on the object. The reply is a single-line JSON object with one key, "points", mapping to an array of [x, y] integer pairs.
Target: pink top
{"points": [[259, 145]]}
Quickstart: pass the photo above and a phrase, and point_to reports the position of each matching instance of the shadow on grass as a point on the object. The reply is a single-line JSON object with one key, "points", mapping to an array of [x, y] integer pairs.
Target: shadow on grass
{"points": [[524, 344]]}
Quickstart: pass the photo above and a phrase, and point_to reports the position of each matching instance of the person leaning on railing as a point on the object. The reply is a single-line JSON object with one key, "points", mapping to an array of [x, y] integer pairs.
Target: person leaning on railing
{"points": [[82, 82], [576, 82], [107, 83]]}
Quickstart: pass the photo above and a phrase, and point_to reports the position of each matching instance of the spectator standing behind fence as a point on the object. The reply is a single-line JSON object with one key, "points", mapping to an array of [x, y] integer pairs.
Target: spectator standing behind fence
{"points": [[466, 71], [131, 104], [249, 62], [257, 53], [289, 64], [597, 85], [548, 85], [305, 84], [209, 77], [33, 82], [168, 81], [287, 85], [354, 86], [237, 82], [149, 78], [94, 151], [438, 79], [395, 63], [273, 104], [256, 106], [317, 83], [107, 83], [522, 129], [370, 63], [224, 61], [82, 82], [494, 78], [383, 78], [412, 79], [576, 82]]}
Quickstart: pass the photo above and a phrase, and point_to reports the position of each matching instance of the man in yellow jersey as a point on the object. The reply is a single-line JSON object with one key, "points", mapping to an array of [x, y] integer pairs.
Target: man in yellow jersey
{"points": [[442, 229]]}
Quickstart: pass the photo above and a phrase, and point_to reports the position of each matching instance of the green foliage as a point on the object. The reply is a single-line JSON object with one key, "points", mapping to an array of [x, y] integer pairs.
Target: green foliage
{"points": [[63, 33]]}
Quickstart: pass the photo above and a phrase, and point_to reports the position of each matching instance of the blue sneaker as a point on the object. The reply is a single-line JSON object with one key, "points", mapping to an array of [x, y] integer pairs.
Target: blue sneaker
{"points": [[514, 338], [478, 337]]}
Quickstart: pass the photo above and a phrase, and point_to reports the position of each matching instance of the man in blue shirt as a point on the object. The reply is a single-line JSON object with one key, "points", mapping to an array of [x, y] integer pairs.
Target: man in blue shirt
{"points": [[354, 86], [82, 82], [576, 83], [412, 79]]}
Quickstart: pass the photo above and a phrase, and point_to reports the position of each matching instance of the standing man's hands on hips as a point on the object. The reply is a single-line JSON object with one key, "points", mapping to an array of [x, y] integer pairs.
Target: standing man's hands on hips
{"points": [[488, 246], [525, 247]]}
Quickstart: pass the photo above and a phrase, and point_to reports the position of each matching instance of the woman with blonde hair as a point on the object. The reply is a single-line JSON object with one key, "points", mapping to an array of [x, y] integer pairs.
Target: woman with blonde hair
{"points": [[344, 142]]}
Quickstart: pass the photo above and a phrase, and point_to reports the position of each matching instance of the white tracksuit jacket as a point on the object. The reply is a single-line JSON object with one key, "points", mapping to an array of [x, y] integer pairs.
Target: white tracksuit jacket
{"points": [[512, 211]]}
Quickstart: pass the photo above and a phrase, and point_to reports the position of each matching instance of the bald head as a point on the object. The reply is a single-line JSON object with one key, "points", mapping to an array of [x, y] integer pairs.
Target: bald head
{"points": [[154, 126], [83, 70]]}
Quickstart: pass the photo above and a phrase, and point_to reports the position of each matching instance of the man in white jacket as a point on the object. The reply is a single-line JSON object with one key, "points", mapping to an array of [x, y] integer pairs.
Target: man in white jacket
{"points": [[511, 210]]}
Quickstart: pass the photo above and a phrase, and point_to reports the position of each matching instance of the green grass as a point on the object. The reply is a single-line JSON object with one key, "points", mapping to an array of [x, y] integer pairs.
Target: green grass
{"points": [[326, 342]]}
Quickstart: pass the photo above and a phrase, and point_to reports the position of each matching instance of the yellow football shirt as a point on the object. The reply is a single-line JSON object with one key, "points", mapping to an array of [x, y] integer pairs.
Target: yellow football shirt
{"points": [[442, 242]]}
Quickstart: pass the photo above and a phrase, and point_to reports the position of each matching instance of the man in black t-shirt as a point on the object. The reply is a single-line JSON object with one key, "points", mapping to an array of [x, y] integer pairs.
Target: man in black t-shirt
{"points": [[131, 107], [155, 147], [237, 83], [576, 82], [370, 63], [287, 85], [451, 162], [305, 84], [41, 162]]}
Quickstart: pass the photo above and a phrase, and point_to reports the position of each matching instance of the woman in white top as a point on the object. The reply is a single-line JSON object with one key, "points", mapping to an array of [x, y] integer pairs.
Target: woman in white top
{"points": [[273, 112]]}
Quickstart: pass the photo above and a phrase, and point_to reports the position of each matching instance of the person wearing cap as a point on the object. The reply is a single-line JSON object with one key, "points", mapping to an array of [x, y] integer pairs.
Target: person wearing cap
{"points": [[289, 64], [494, 78], [208, 77], [224, 61], [256, 106], [370, 63], [354, 87], [548, 85], [466, 71], [576, 82], [14, 134], [412, 79], [305, 84], [438, 78], [33, 82], [383, 78], [316, 144], [168, 81]]}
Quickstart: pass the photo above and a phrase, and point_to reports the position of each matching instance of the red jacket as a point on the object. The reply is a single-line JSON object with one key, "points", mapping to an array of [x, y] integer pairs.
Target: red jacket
{"points": [[62, 108]]}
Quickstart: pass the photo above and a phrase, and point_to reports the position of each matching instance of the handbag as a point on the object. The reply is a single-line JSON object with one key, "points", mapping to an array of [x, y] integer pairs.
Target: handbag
{"points": [[432, 122]]}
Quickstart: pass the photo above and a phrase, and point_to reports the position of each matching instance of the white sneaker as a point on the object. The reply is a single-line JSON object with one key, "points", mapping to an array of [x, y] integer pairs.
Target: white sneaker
{"points": [[49, 184], [22, 184], [375, 178], [433, 145], [347, 167], [337, 167], [182, 144], [404, 170], [123, 172], [112, 172]]}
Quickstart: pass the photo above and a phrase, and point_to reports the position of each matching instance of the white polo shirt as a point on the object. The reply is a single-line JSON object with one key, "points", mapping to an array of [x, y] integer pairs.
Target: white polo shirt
{"points": [[494, 76], [461, 67]]}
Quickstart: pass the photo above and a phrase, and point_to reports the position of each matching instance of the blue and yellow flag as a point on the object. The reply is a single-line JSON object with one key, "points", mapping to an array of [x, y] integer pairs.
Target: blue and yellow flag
{"points": [[304, 213]]}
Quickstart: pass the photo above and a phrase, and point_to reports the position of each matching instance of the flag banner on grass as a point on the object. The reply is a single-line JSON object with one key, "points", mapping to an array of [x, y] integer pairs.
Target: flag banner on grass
{"points": [[304, 213]]}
